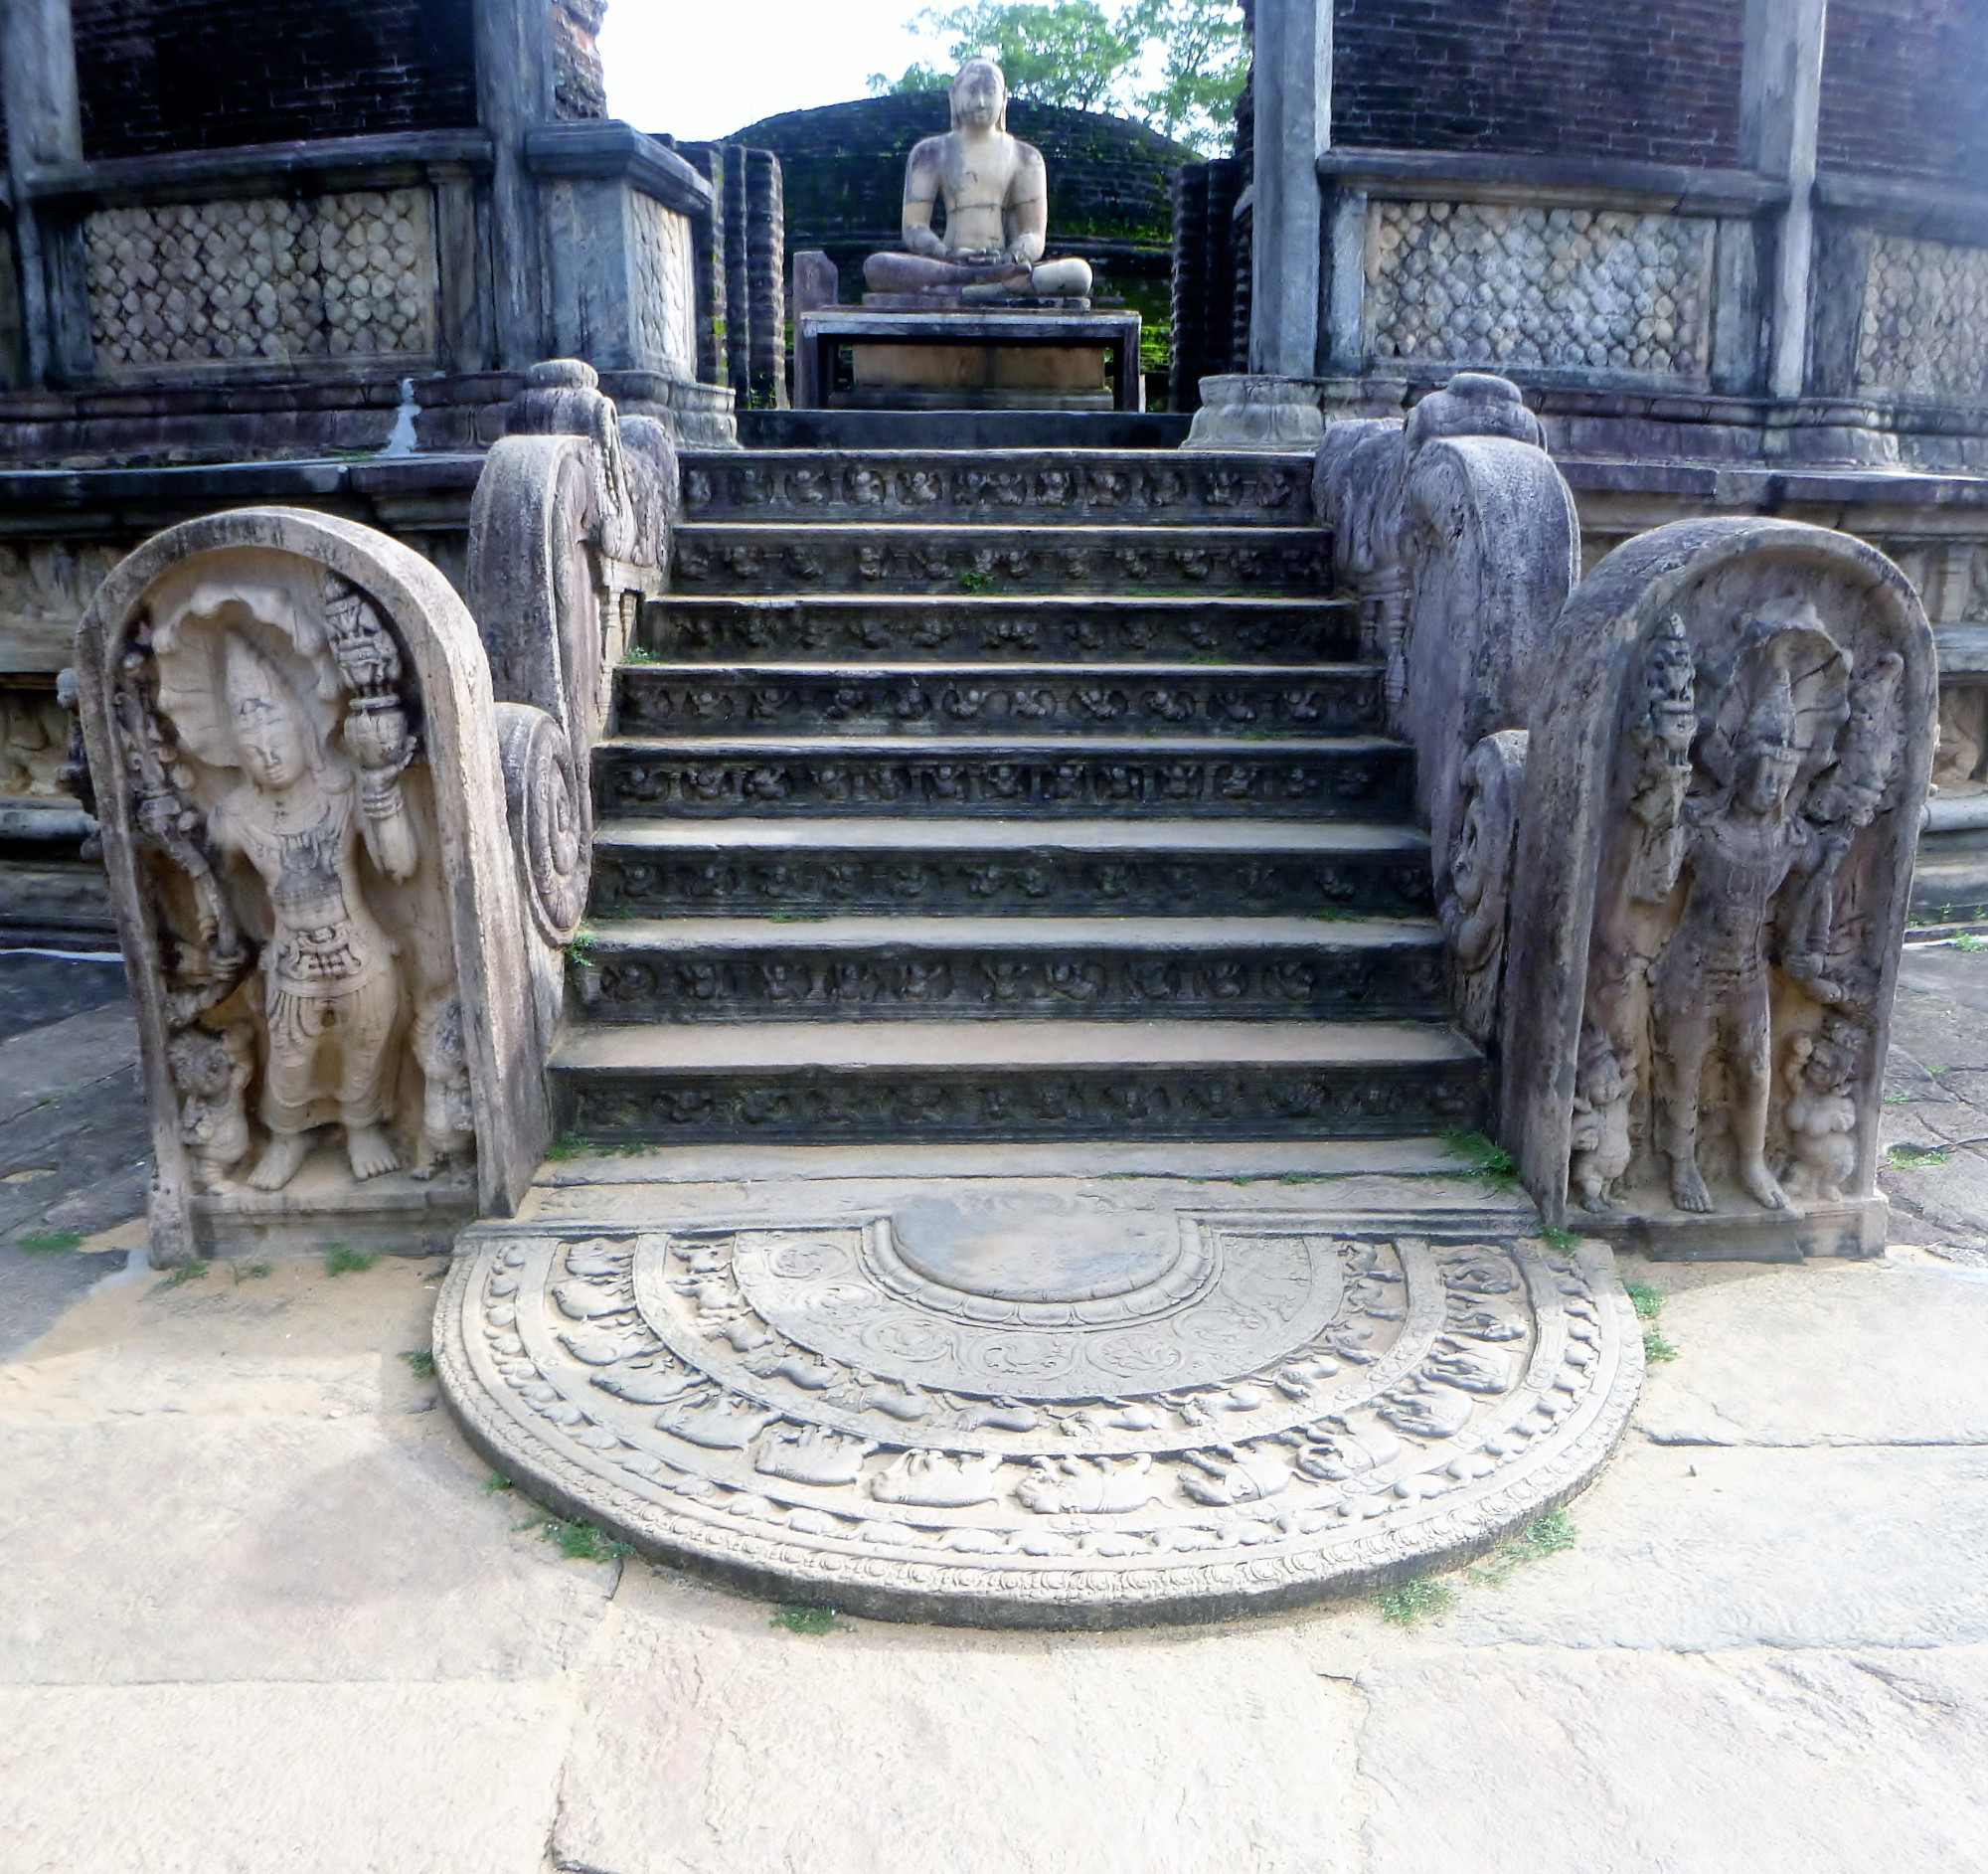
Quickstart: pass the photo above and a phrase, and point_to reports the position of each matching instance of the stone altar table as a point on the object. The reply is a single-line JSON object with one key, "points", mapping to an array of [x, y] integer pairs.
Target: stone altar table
{"points": [[975, 360]]}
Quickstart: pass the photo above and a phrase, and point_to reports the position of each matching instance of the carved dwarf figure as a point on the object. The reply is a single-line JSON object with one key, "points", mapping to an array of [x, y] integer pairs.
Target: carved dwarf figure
{"points": [[448, 1123], [1820, 1113], [1710, 986], [212, 1071], [1599, 1141], [997, 204], [332, 988]]}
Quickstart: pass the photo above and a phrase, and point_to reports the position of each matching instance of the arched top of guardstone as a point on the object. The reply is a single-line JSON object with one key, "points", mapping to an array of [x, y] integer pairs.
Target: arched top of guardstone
{"points": [[1692, 652]]}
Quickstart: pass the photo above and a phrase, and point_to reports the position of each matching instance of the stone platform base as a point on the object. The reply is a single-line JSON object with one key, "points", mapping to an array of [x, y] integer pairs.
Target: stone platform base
{"points": [[1006, 1400], [320, 1209], [1744, 1232]]}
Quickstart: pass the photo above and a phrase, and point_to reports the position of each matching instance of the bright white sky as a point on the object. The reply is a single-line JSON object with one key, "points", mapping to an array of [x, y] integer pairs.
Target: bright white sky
{"points": [[702, 68]]}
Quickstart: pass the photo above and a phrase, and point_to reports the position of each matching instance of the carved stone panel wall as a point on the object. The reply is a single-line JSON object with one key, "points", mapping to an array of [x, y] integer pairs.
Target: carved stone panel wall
{"points": [[665, 298], [1926, 320], [271, 278], [1728, 760], [1539, 288], [43, 587], [295, 759]]}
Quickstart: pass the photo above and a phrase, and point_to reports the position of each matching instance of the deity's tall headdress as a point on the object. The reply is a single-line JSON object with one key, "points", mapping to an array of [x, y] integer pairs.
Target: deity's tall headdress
{"points": [[1770, 722]]}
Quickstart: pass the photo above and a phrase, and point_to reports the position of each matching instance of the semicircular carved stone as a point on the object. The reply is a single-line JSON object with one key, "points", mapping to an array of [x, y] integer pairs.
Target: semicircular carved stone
{"points": [[290, 732], [1014, 1430], [1727, 771]]}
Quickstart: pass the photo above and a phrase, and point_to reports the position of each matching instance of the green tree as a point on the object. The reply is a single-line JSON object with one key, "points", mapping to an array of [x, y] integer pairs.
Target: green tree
{"points": [[1177, 64], [1204, 58], [1058, 51]]}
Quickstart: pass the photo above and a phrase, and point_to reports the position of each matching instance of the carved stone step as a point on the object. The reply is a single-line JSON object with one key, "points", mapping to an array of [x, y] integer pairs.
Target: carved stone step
{"points": [[996, 699], [1031, 486], [738, 557], [1011, 968], [823, 1081], [1359, 776], [1152, 869], [1220, 629]]}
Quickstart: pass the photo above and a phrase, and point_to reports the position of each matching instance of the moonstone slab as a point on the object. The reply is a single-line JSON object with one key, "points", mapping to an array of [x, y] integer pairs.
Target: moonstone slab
{"points": [[917, 1416]]}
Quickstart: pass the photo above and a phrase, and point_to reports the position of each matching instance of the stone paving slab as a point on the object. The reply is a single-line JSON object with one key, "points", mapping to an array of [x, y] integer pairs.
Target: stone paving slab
{"points": [[713, 1742], [249, 1778], [1778, 1664], [1540, 1760]]}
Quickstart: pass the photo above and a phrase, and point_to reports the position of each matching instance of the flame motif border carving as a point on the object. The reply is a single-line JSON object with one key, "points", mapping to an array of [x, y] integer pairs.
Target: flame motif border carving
{"points": [[1298, 1409]]}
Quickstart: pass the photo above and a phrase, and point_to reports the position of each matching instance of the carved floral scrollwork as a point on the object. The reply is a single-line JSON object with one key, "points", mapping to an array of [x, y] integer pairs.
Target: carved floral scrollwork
{"points": [[550, 816]]}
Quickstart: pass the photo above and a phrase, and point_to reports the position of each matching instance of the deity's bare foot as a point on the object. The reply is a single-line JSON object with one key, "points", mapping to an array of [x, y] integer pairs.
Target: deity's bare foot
{"points": [[1688, 1190], [1760, 1186], [370, 1151], [280, 1161], [1595, 1200]]}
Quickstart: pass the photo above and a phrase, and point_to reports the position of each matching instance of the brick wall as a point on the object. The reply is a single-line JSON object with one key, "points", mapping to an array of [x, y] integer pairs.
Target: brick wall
{"points": [[1904, 90], [185, 74], [581, 88], [1655, 81]]}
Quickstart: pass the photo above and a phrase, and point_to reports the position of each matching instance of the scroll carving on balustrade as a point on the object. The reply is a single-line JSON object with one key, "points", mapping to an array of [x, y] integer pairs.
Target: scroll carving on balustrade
{"points": [[296, 769], [1460, 539], [1728, 763], [568, 532]]}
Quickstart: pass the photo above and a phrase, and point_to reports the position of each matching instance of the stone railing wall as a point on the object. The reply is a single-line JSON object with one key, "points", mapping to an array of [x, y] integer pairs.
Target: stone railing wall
{"points": [[293, 259], [1902, 295], [1623, 276]]}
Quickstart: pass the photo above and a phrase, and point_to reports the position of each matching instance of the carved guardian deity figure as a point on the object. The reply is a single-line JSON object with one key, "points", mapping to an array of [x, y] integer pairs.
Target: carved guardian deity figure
{"points": [[995, 189], [1723, 786], [332, 992]]}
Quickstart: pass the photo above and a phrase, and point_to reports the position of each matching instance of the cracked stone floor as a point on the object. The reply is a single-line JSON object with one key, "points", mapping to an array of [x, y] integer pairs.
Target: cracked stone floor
{"points": [[260, 1611]]}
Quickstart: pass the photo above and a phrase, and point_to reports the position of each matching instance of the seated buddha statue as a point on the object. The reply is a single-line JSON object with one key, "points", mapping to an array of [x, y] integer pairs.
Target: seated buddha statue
{"points": [[996, 194]]}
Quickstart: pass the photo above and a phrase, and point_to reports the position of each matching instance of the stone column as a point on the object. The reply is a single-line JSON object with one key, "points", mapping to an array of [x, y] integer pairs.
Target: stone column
{"points": [[1780, 96], [1293, 128], [514, 92], [44, 129]]}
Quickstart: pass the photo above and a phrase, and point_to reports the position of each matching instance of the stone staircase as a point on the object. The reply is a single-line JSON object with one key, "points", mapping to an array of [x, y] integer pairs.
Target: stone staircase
{"points": [[1026, 795]]}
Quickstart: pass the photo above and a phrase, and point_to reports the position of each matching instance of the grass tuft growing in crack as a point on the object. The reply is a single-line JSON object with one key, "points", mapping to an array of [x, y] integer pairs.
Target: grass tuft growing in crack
{"points": [[809, 1622], [581, 1541], [1913, 1157], [1563, 1241], [339, 1261], [421, 1362], [496, 1481], [1408, 1602], [1656, 1349], [1647, 1301], [49, 1241], [193, 1271], [1543, 1536], [1490, 1160], [251, 1271]]}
